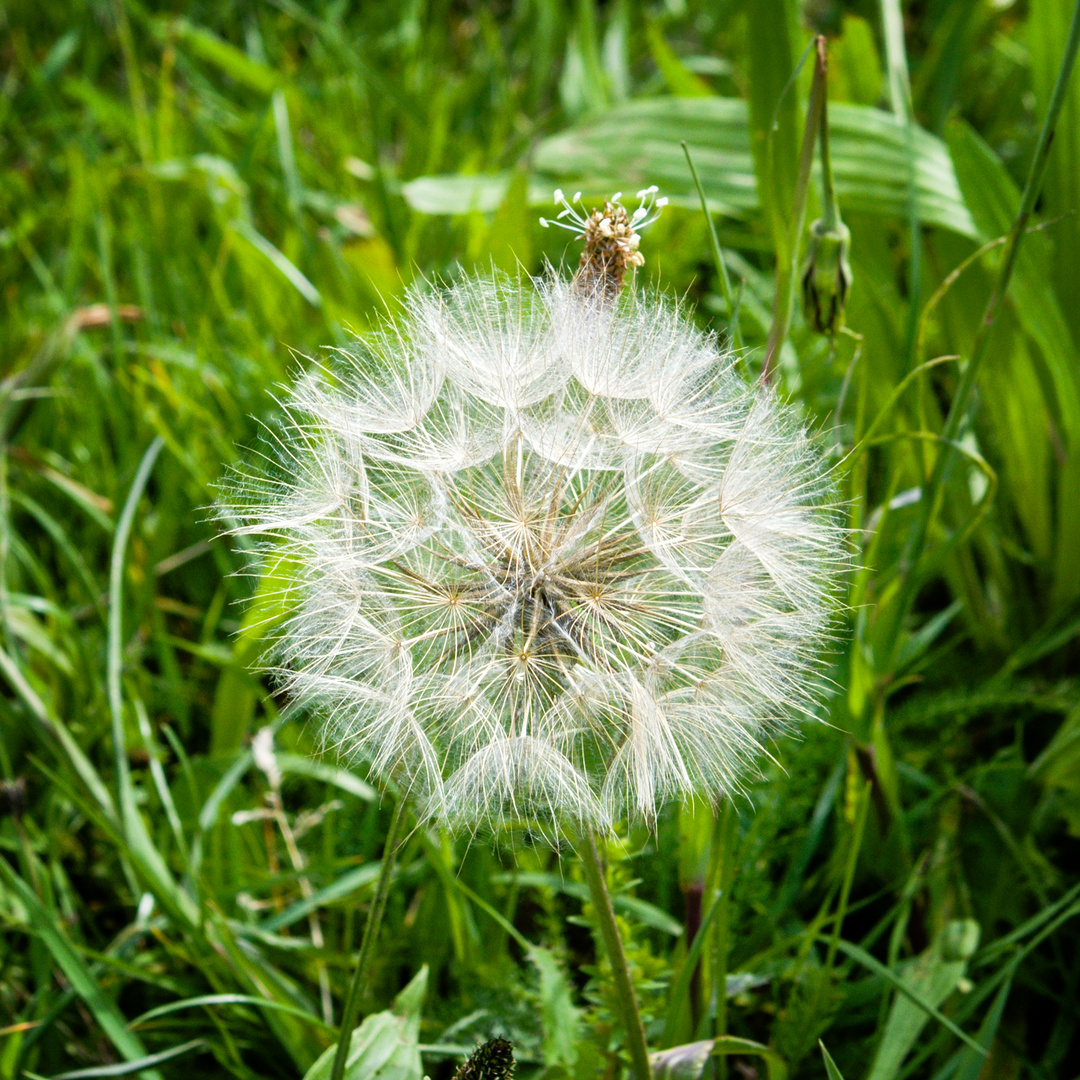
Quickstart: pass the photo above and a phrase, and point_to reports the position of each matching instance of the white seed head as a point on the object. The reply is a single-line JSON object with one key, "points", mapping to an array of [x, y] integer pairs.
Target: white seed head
{"points": [[553, 560]]}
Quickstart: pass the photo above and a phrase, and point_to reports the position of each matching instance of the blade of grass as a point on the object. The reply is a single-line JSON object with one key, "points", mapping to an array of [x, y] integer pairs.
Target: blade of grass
{"points": [[831, 1070], [718, 256], [128, 1067], [871, 963], [680, 988], [151, 863], [348, 883], [57, 734], [105, 1013], [855, 841], [205, 1000]]}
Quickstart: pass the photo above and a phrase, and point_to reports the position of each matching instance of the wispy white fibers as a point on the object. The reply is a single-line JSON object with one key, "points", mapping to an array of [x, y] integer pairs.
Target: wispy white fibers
{"points": [[552, 559]]}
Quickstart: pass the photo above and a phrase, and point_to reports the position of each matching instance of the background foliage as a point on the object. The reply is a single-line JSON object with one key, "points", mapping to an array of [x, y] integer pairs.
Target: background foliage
{"points": [[189, 196]]}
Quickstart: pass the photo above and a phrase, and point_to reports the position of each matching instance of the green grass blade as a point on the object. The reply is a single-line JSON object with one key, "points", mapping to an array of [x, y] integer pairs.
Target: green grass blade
{"points": [[128, 1067], [680, 988], [225, 999], [340, 778], [116, 605], [718, 256], [53, 732], [214, 50], [345, 885], [152, 867], [831, 1070], [871, 963], [82, 981]]}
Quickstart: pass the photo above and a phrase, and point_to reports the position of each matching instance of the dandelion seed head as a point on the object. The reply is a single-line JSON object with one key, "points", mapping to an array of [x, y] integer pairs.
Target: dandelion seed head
{"points": [[553, 561]]}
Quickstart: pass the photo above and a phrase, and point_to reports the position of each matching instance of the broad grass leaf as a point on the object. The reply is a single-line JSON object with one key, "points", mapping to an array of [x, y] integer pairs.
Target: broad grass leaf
{"points": [[774, 117], [638, 143], [218, 52], [506, 244], [687, 1062], [459, 194], [386, 1045], [854, 64], [932, 976], [679, 79]]}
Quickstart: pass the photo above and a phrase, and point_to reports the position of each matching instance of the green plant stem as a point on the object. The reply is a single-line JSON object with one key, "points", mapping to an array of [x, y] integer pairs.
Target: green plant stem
{"points": [[786, 276], [724, 838], [620, 969], [358, 988], [718, 256], [929, 503], [849, 874], [830, 215]]}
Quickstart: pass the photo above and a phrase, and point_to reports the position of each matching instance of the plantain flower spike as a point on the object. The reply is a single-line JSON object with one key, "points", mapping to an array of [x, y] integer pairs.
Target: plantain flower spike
{"points": [[611, 239], [553, 561], [493, 1060]]}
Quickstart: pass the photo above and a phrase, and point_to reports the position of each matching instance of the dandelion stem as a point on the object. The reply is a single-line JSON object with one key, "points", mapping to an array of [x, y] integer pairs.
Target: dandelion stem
{"points": [[724, 837], [358, 989], [620, 969]]}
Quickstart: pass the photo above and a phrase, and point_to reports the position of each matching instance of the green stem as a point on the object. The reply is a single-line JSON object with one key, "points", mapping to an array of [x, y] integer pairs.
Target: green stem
{"points": [[849, 875], [724, 838], [620, 969], [718, 256], [786, 276], [830, 217], [358, 989], [929, 504]]}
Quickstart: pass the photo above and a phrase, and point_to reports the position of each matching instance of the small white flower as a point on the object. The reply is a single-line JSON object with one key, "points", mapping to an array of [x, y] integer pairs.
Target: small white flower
{"points": [[576, 219], [554, 560]]}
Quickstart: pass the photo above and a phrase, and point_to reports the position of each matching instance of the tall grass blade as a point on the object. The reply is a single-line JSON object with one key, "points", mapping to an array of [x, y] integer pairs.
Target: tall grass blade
{"points": [[104, 1011]]}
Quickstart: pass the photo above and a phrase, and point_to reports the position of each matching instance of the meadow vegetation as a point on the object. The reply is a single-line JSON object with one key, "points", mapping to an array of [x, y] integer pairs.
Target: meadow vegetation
{"points": [[196, 197]]}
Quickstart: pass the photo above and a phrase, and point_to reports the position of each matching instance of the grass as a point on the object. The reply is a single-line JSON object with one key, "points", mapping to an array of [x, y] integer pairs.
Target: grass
{"points": [[191, 201]]}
